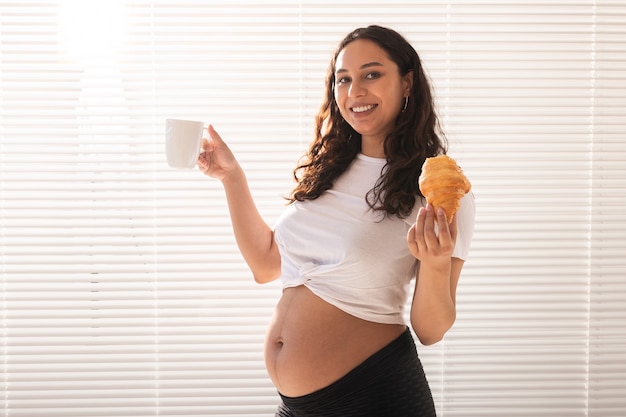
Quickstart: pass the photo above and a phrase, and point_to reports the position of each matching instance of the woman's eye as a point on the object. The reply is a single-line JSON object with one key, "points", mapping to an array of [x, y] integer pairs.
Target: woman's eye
{"points": [[372, 75], [342, 80]]}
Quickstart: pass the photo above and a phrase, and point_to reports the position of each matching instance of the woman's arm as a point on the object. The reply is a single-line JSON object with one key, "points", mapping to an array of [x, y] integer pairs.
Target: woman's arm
{"points": [[433, 310], [254, 237]]}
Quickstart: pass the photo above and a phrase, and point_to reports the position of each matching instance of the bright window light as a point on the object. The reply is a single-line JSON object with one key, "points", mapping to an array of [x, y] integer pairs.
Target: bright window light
{"points": [[92, 30]]}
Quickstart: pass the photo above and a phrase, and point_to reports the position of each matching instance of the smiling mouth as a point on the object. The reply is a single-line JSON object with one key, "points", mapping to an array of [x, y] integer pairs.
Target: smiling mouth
{"points": [[362, 109]]}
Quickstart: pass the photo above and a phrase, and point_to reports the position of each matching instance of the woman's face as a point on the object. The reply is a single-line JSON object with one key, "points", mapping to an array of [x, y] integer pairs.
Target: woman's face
{"points": [[369, 91]]}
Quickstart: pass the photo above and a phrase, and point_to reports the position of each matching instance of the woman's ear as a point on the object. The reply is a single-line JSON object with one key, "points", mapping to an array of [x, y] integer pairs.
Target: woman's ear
{"points": [[408, 82]]}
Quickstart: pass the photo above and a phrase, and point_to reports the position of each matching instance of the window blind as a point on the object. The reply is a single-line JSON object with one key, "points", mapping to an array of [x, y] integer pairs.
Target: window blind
{"points": [[122, 290], [608, 226]]}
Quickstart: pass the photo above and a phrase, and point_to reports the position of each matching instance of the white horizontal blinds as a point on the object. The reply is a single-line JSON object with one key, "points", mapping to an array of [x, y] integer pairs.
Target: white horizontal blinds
{"points": [[122, 289], [123, 292], [607, 359], [520, 103], [236, 65]]}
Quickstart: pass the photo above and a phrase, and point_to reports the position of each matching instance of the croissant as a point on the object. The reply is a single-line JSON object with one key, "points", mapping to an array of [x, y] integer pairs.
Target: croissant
{"points": [[443, 184]]}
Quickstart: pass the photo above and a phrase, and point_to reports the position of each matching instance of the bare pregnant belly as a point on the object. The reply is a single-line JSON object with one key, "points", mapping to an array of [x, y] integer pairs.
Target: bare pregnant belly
{"points": [[310, 344]]}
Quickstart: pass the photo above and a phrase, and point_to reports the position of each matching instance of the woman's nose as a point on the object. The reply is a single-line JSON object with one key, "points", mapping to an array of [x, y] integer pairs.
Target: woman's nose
{"points": [[356, 89]]}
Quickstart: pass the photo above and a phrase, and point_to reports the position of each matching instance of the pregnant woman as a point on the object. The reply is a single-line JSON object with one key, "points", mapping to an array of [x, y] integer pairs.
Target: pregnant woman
{"points": [[354, 238]]}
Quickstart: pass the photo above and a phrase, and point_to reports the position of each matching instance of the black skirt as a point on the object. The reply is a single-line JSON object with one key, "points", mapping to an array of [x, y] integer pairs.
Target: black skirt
{"points": [[390, 383]]}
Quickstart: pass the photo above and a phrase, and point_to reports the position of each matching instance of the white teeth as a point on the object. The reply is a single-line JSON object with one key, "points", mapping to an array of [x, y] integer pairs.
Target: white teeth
{"points": [[361, 109]]}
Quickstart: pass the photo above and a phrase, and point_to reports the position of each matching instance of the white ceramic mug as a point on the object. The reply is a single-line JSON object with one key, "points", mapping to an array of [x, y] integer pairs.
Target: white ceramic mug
{"points": [[183, 140]]}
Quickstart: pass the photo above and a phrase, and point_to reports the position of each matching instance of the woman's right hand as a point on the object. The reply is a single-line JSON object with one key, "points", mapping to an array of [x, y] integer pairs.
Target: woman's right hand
{"points": [[216, 160]]}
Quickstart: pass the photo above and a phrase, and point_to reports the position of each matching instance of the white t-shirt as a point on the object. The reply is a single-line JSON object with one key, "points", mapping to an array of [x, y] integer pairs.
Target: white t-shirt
{"points": [[350, 256]]}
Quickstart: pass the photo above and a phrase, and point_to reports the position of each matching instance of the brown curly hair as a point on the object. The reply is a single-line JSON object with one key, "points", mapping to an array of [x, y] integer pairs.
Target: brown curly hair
{"points": [[417, 135]]}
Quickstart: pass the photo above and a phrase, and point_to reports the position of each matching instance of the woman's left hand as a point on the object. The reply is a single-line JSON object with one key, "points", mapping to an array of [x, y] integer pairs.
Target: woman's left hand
{"points": [[432, 238]]}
